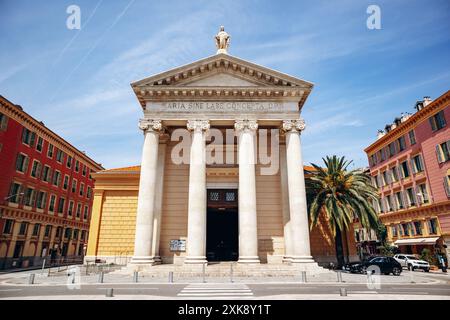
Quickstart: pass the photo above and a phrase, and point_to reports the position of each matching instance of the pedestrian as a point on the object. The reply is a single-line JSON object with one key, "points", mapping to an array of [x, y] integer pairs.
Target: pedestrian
{"points": [[442, 263]]}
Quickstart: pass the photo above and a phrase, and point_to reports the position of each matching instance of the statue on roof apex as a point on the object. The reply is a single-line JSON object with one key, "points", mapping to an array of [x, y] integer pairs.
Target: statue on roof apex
{"points": [[222, 41]]}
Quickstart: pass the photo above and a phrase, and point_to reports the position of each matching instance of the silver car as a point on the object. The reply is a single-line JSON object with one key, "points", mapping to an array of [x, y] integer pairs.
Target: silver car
{"points": [[412, 262]]}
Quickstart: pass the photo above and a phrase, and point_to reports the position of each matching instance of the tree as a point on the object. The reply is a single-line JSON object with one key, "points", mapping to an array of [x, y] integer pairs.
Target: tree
{"points": [[341, 195]]}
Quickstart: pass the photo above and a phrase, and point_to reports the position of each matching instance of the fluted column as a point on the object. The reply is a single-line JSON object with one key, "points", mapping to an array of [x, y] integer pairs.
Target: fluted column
{"points": [[163, 138], [285, 205], [301, 251], [196, 242], [248, 235], [146, 198]]}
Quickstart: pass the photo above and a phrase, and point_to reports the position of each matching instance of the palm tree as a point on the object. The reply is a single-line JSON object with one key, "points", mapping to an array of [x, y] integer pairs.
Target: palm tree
{"points": [[341, 195]]}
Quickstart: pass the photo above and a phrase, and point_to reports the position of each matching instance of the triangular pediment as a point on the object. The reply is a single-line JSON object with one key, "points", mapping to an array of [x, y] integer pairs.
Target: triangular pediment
{"points": [[228, 67], [221, 77]]}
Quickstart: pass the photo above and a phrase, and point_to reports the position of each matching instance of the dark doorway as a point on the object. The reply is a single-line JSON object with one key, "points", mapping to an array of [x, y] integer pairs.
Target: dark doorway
{"points": [[222, 229]]}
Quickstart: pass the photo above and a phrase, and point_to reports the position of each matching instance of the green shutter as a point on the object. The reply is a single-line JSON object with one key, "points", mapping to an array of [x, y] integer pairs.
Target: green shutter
{"points": [[447, 186], [438, 153]]}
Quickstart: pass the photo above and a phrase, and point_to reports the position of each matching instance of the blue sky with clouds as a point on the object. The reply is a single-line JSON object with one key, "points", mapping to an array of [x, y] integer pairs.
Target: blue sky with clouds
{"points": [[78, 81]]}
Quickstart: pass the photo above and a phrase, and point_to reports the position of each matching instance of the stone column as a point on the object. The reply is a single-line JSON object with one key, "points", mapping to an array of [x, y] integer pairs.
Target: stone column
{"points": [[196, 241], [248, 236], [301, 251], [159, 197], [146, 198], [285, 205]]}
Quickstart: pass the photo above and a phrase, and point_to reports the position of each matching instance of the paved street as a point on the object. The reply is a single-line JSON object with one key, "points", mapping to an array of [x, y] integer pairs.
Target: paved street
{"points": [[410, 285]]}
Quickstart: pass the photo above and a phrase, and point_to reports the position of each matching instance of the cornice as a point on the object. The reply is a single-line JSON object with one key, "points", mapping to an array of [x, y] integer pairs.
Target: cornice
{"points": [[420, 116]]}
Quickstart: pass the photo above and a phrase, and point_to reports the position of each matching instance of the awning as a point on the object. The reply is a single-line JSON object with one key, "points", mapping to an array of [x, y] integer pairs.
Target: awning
{"points": [[405, 242]]}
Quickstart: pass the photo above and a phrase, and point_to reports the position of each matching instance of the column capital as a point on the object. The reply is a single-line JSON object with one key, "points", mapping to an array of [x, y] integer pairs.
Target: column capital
{"points": [[294, 125], [150, 125], [198, 125], [244, 125]]}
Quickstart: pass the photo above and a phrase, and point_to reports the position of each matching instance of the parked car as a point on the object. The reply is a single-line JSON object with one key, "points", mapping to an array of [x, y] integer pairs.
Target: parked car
{"points": [[385, 265], [412, 262]]}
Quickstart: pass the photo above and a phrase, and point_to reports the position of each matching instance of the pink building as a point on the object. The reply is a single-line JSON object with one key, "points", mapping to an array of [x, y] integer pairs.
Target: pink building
{"points": [[410, 165]]}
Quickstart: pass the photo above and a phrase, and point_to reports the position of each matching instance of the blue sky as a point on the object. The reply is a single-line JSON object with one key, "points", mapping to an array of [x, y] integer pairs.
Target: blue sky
{"points": [[78, 81]]}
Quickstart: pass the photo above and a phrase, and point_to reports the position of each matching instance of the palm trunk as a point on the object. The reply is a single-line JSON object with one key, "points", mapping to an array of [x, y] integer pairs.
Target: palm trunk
{"points": [[339, 248]]}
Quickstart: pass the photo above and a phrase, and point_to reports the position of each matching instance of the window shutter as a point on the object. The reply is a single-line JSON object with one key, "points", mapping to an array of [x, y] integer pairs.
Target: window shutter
{"points": [[402, 175], [438, 153], [442, 118], [33, 198], [447, 186], [432, 123], [24, 133], [4, 123], [59, 180], [25, 165], [420, 198], [49, 177], [383, 205], [18, 167], [21, 198], [421, 163], [33, 138], [413, 166], [38, 170]]}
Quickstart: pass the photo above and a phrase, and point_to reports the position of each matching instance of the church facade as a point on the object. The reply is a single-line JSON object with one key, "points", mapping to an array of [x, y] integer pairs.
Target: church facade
{"points": [[221, 177]]}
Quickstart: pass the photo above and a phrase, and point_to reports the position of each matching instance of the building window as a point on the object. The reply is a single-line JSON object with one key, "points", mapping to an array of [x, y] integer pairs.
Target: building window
{"points": [[437, 121], [58, 232], [83, 234], [84, 171], [417, 164], [382, 155], [392, 150], [400, 230], [59, 155], [373, 159], [14, 192], [411, 197], [7, 227], [48, 229], [69, 162], [394, 174], [422, 193], [88, 192], [81, 189], [56, 178], [30, 197], [385, 178], [443, 151], [66, 182], [28, 137], [23, 228], [418, 227], [51, 205], [77, 166], [406, 229], [68, 233], [46, 173], [394, 231], [36, 169], [412, 137], [74, 186], [447, 185], [401, 143], [404, 169], [70, 210], [36, 229], [3, 122], [22, 163], [389, 206], [432, 226], [78, 210], [50, 150], [40, 144], [86, 212], [75, 234], [41, 199], [399, 198], [61, 205]]}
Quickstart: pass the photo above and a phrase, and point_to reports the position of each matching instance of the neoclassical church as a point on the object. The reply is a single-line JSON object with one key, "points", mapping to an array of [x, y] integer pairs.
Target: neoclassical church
{"points": [[221, 177]]}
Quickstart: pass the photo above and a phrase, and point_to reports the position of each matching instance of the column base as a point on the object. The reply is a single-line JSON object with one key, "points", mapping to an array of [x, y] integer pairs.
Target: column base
{"points": [[195, 260], [301, 259], [147, 260], [249, 259], [287, 259]]}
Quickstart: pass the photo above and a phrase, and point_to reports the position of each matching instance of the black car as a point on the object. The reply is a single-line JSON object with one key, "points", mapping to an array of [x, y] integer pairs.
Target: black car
{"points": [[376, 265]]}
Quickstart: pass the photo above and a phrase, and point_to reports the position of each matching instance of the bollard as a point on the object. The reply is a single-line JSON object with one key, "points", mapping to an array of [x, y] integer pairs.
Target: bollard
{"points": [[369, 277], [43, 266], [31, 278], [109, 292], [343, 292], [100, 277], [303, 277], [339, 276], [171, 277], [136, 277], [231, 273]]}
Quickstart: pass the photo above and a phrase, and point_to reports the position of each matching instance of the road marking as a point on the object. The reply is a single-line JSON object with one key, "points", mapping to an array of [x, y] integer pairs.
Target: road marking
{"points": [[362, 292], [11, 289], [135, 288], [235, 290]]}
